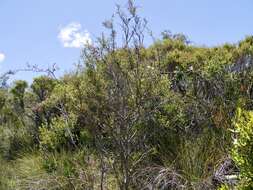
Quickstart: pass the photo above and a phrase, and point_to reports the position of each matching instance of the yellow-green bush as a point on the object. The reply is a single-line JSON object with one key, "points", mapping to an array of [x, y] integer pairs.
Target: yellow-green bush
{"points": [[242, 151], [57, 134]]}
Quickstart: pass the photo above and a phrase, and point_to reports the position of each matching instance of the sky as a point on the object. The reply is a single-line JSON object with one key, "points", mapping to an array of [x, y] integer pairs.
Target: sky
{"points": [[44, 32]]}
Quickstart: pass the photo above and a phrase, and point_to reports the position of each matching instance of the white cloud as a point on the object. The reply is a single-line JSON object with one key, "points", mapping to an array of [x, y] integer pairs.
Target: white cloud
{"points": [[2, 57], [72, 36]]}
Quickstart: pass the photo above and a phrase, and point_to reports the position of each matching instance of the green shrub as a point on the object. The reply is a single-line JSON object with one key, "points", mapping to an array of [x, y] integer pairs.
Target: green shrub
{"points": [[224, 187], [242, 151], [13, 141], [57, 135]]}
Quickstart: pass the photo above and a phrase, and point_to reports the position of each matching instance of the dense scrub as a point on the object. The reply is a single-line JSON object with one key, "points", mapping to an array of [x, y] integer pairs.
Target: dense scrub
{"points": [[168, 116]]}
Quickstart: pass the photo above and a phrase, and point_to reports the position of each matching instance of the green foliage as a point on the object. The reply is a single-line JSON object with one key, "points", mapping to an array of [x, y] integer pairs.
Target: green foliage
{"points": [[132, 117], [243, 146], [18, 92], [224, 187], [56, 135], [43, 87]]}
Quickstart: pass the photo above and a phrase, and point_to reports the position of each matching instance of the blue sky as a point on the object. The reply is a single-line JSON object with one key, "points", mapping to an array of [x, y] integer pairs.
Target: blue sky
{"points": [[43, 32]]}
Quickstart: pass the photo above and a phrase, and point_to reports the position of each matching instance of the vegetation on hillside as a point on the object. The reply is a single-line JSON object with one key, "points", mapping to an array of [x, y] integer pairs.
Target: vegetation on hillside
{"points": [[168, 116]]}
